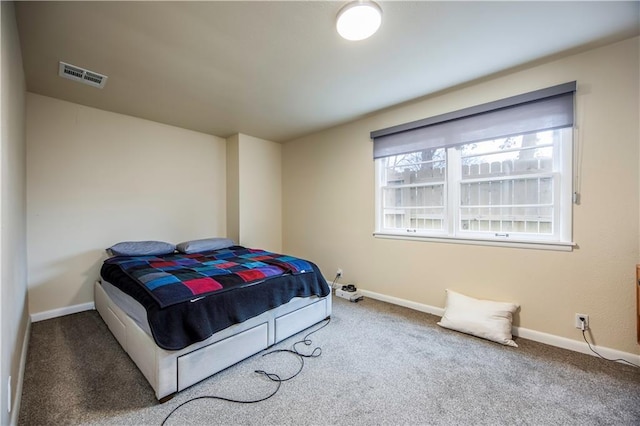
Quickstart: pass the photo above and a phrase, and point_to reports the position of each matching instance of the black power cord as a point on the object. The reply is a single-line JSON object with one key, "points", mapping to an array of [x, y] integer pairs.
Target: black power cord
{"points": [[607, 359], [316, 352], [335, 281], [270, 376]]}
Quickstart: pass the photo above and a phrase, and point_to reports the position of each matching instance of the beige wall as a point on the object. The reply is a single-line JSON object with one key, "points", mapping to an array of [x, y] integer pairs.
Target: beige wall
{"points": [[329, 200], [233, 188], [254, 197], [13, 231], [95, 178]]}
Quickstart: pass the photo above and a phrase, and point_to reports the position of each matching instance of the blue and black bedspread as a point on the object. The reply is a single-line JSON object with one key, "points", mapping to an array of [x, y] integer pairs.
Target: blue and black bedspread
{"points": [[176, 278], [189, 297]]}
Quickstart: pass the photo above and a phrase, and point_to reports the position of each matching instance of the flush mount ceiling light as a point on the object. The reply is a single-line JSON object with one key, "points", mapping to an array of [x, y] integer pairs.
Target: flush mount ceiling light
{"points": [[359, 20]]}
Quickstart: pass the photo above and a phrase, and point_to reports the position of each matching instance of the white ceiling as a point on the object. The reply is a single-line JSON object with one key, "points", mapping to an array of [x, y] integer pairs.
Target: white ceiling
{"points": [[278, 70]]}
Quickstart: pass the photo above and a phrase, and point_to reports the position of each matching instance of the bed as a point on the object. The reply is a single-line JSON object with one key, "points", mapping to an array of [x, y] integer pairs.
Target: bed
{"points": [[178, 342]]}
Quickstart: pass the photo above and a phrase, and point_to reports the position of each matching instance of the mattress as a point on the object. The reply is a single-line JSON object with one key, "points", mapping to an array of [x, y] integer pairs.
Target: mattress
{"points": [[129, 306]]}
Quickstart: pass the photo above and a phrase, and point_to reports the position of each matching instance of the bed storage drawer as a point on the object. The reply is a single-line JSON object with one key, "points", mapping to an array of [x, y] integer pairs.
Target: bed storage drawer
{"points": [[291, 323], [204, 362]]}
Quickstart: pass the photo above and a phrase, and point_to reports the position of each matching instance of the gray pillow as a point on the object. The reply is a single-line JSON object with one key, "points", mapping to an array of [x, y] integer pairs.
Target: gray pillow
{"points": [[141, 248], [207, 244]]}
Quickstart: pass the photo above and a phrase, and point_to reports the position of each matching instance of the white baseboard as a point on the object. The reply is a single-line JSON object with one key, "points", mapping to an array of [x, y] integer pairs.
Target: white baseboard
{"points": [[15, 409], [574, 345], [55, 313], [403, 302], [538, 336]]}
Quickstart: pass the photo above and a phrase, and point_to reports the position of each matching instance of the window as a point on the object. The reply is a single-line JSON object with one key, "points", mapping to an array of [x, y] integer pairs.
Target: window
{"points": [[498, 176]]}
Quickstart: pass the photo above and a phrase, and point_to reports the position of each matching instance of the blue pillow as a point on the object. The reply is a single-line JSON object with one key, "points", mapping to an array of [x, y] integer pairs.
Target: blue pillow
{"points": [[207, 244], [141, 248]]}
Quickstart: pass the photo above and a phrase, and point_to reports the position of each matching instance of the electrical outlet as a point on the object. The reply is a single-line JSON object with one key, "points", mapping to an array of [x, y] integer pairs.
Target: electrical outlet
{"points": [[579, 320], [339, 272]]}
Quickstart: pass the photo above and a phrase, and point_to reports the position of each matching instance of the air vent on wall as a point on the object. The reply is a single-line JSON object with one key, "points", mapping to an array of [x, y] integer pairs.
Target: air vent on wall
{"points": [[82, 75]]}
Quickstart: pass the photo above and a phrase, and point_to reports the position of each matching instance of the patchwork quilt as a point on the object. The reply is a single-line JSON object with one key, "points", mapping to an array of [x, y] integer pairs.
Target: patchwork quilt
{"points": [[176, 278]]}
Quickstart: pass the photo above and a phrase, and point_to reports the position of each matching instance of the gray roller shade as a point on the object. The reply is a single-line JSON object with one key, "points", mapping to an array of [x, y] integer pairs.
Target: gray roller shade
{"points": [[545, 109]]}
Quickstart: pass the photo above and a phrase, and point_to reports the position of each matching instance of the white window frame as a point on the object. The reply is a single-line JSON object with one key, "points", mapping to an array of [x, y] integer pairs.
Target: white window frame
{"points": [[561, 239]]}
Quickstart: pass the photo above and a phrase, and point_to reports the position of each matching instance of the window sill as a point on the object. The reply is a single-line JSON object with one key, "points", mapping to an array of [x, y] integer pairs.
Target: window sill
{"points": [[535, 245]]}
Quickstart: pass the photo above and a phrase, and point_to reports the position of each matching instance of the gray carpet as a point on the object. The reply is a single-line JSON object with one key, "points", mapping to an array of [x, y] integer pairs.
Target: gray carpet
{"points": [[380, 364]]}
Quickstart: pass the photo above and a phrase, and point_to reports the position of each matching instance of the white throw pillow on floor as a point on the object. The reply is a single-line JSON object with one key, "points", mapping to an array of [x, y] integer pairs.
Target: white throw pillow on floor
{"points": [[482, 318]]}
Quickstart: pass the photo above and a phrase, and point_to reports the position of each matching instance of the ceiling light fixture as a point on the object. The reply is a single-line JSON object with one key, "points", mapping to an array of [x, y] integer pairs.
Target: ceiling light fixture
{"points": [[359, 20]]}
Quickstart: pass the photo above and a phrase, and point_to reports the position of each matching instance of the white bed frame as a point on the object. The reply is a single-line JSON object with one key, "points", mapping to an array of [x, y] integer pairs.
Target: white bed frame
{"points": [[169, 372]]}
